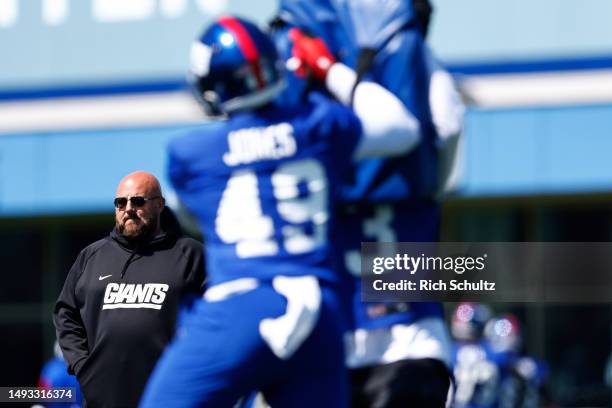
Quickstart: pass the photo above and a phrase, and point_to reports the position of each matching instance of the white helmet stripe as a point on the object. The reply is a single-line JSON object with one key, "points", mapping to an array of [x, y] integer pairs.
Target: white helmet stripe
{"points": [[200, 58]]}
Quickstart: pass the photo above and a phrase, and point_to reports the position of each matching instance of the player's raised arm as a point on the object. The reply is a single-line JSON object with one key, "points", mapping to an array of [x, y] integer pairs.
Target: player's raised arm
{"points": [[445, 103], [388, 127]]}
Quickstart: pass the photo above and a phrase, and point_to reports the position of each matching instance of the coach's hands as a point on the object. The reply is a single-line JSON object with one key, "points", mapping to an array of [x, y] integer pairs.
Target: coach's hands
{"points": [[312, 53]]}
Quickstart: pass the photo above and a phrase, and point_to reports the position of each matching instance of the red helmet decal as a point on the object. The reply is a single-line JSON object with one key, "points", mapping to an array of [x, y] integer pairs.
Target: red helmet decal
{"points": [[246, 45]]}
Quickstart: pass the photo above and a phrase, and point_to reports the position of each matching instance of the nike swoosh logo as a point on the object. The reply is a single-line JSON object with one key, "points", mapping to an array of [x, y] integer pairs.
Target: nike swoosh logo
{"points": [[104, 277]]}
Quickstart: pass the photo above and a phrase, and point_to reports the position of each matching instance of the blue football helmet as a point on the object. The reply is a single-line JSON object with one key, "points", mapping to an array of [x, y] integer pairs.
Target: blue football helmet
{"points": [[504, 333], [234, 67], [469, 321]]}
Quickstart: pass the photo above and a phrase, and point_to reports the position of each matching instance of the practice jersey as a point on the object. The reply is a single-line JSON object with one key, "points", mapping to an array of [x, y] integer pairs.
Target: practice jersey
{"points": [[393, 222], [385, 199], [400, 65], [412, 176], [262, 185]]}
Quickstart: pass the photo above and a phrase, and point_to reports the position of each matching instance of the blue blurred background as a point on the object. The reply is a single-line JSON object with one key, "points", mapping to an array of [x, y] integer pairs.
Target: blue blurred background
{"points": [[91, 90]]}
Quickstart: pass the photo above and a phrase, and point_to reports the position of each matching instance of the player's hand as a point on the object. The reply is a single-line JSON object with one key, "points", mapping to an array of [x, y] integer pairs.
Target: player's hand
{"points": [[311, 52]]}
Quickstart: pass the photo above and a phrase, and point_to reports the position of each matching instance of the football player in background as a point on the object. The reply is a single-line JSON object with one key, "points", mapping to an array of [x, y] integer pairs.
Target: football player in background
{"points": [[262, 184], [476, 377], [523, 378], [490, 371], [398, 353], [54, 374]]}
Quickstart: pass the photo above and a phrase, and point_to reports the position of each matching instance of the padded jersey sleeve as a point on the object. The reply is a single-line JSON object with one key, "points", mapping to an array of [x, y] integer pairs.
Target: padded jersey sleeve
{"points": [[388, 127], [447, 108]]}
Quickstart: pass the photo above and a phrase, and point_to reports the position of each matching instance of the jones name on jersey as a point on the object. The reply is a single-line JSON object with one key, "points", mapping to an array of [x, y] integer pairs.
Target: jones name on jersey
{"points": [[260, 143]]}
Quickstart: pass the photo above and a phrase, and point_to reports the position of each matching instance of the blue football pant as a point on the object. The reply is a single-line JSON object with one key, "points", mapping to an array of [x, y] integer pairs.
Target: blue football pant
{"points": [[219, 356]]}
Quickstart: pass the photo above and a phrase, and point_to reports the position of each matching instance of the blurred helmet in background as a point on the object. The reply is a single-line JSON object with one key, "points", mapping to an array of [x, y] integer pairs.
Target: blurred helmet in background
{"points": [[503, 333], [234, 67], [469, 321]]}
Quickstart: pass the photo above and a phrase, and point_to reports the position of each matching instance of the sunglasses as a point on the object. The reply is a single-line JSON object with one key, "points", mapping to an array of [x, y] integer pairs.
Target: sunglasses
{"points": [[137, 201]]}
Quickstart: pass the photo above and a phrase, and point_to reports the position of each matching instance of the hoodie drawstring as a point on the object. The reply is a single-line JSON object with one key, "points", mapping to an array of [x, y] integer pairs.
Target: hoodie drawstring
{"points": [[127, 263]]}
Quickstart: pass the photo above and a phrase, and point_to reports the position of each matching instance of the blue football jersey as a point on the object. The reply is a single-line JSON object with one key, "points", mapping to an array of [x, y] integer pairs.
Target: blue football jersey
{"points": [[393, 222], [400, 67], [399, 64], [402, 184], [262, 186], [386, 199]]}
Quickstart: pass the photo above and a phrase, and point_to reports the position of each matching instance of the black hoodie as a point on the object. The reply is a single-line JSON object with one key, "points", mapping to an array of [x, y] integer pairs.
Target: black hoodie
{"points": [[118, 309]]}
